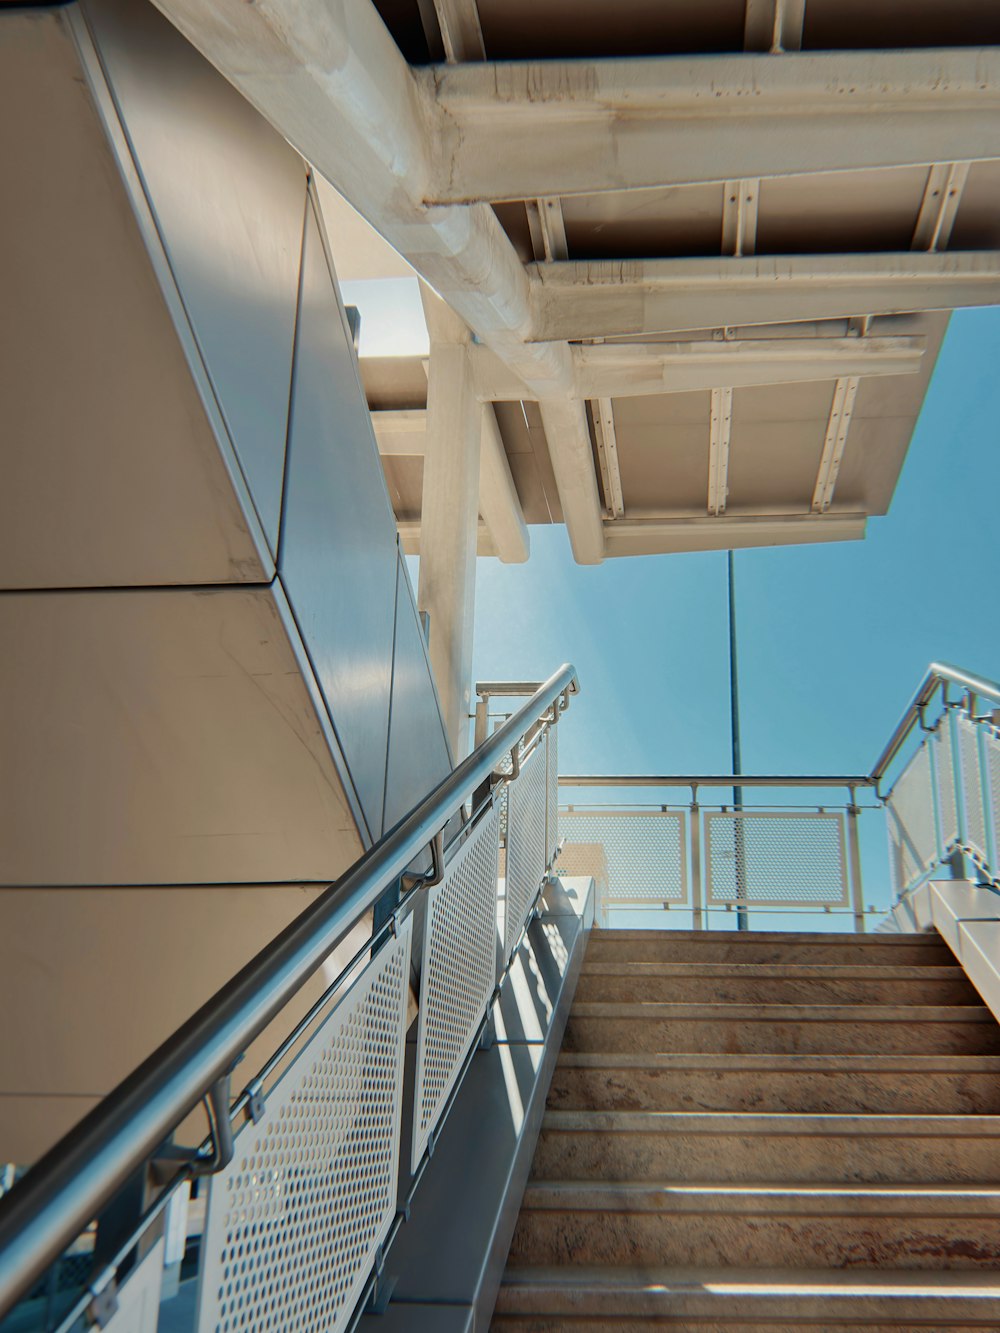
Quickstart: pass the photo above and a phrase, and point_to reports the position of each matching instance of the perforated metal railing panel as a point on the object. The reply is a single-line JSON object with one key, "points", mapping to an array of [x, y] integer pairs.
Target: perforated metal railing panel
{"points": [[795, 858], [295, 1220], [552, 794], [644, 853], [911, 820], [991, 746], [972, 788], [945, 771], [525, 860], [458, 974]]}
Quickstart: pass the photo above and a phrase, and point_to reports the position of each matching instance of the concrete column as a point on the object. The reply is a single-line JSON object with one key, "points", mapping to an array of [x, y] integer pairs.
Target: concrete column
{"points": [[450, 516]]}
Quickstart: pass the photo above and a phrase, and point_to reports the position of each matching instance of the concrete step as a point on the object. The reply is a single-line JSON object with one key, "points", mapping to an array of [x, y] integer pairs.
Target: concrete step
{"points": [[723, 946], [680, 1146], [709, 1300], [776, 1029], [763, 983], [744, 1227], [849, 1084]]}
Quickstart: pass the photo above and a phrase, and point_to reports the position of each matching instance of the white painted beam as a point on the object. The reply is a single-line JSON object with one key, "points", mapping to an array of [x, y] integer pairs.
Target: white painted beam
{"points": [[739, 216], [607, 452], [634, 369], [774, 25], [631, 124], [338, 89], [498, 499], [403, 434], [625, 370], [940, 204], [461, 32], [720, 430], [662, 536], [409, 537], [834, 443], [449, 518], [606, 298]]}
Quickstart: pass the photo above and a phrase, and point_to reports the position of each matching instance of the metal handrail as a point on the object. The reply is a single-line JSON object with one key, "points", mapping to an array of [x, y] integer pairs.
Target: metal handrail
{"points": [[938, 674], [711, 780], [69, 1186]]}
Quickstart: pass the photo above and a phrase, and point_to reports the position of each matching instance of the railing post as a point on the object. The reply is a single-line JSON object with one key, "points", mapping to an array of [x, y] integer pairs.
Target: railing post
{"points": [[482, 720], [697, 901], [854, 854]]}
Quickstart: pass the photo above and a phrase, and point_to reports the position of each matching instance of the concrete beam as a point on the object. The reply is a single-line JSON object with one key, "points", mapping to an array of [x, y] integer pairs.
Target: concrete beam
{"points": [[608, 298], [598, 125], [403, 434], [334, 83], [449, 517], [409, 536], [732, 532], [629, 370]]}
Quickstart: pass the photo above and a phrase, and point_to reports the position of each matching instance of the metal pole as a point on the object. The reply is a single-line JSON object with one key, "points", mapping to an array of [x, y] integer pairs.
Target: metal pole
{"points": [[734, 718], [854, 852]]}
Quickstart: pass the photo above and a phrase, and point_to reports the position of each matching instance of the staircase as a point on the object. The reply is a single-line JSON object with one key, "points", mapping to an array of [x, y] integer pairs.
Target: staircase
{"points": [[762, 1132]]}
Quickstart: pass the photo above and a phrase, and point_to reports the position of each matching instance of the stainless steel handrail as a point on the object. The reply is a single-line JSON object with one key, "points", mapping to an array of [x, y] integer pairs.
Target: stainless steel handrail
{"points": [[69, 1186], [710, 780], [938, 674]]}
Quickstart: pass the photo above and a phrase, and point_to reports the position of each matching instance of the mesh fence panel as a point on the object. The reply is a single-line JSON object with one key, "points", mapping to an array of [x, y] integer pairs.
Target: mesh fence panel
{"points": [[295, 1219], [525, 861], [644, 858], [911, 820], [458, 975], [793, 859], [972, 787]]}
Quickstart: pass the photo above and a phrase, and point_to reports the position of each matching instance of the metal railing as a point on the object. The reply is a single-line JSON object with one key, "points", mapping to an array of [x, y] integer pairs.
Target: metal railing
{"points": [[943, 806], [941, 810], [704, 856], [335, 1079]]}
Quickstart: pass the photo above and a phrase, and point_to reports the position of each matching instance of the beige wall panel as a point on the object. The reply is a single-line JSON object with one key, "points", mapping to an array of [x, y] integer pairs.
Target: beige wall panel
{"points": [[99, 977], [167, 736], [111, 471]]}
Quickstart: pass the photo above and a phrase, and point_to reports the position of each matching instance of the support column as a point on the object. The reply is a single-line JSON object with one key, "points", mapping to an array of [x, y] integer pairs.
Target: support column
{"points": [[450, 515]]}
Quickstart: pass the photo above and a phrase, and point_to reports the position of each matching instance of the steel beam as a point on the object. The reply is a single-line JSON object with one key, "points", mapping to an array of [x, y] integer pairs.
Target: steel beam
{"points": [[721, 424], [834, 443], [660, 536], [606, 298], [617, 124]]}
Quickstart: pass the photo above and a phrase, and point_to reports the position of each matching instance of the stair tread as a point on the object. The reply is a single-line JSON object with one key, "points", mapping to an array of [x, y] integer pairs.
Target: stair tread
{"points": [[792, 1062], [768, 1281], [785, 971], [930, 939], [731, 1199], [816, 1013], [773, 1122]]}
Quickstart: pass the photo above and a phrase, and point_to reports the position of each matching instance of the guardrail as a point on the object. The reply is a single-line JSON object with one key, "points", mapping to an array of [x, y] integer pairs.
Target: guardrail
{"points": [[313, 1164], [945, 801], [705, 856]]}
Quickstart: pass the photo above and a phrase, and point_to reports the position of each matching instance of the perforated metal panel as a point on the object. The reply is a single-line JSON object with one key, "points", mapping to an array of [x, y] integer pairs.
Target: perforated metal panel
{"points": [[644, 852], [911, 820], [295, 1219], [552, 795], [526, 860], [991, 749], [795, 859], [972, 788], [945, 773], [458, 975]]}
